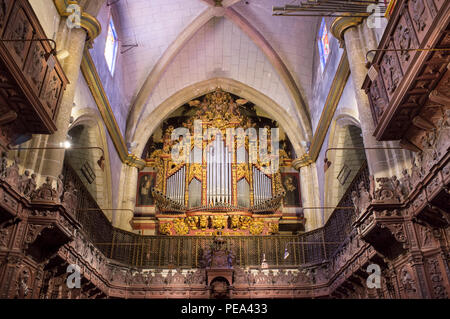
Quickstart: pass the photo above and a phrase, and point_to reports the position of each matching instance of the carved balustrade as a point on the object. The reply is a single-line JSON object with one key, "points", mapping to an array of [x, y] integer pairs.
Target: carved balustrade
{"points": [[135, 266]]}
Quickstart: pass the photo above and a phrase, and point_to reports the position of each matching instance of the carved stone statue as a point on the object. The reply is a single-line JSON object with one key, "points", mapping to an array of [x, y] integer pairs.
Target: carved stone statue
{"points": [[3, 165], [364, 198], [22, 284], [12, 173], [23, 181], [60, 186], [416, 170], [406, 182], [407, 282], [70, 197], [30, 187]]}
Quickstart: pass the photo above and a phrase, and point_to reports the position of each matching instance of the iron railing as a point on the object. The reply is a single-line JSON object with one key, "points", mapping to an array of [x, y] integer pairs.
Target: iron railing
{"points": [[96, 226], [187, 251]]}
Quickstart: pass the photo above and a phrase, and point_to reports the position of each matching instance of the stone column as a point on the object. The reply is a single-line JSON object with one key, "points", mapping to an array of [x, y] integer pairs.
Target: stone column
{"points": [[53, 159], [358, 38], [122, 218], [310, 195]]}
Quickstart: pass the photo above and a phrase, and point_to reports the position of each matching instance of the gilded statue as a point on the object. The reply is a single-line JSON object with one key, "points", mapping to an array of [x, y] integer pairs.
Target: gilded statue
{"points": [[203, 222], [219, 221], [245, 222], [235, 222], [192, 222]]}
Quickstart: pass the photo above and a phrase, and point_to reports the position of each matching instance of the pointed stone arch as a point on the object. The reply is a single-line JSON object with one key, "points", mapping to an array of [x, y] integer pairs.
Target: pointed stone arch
{"points": [[150, 123], [155, 75], [95, 137]]}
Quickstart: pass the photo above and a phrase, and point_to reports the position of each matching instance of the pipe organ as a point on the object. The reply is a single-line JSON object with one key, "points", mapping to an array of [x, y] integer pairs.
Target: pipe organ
{"points": [[217, 184], [218, 173], [262, 186], [176, 186], [219, 180]]}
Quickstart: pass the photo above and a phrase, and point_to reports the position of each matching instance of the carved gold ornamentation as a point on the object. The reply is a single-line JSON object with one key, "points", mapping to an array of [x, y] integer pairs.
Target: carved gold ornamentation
{"points": [[192, 222], [246, 221], [203, 222], [165, 229], [273, 228], [180, 227], [235, 222], [219, 221], [243, 171], [257, 227], [195, 171]]}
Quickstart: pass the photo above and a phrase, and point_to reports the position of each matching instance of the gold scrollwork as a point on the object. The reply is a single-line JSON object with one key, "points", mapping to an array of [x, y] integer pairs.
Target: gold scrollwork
{"points": [[180, 227], [219, 221], [257, 227], [242, 171], [273, 228], [165, 229], [246, 221], [235, 222], [195, 171], [203, 222]]}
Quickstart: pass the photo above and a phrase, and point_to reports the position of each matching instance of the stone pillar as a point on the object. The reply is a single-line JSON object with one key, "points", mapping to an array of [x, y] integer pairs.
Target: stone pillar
{"points": [[310, 195], [358, 38], [122, 218], [53, 159]]}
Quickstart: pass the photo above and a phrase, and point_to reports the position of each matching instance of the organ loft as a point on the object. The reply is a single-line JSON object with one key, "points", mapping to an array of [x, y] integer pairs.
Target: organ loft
{"points": [[198, 150]]}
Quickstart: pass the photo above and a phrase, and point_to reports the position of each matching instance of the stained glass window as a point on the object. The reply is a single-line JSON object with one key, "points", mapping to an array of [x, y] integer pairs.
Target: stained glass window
{"points": [[324, 46], [111, 47]]}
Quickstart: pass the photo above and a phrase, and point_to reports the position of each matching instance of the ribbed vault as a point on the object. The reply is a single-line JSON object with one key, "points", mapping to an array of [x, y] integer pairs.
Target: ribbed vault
{"points": [[169, 29]]}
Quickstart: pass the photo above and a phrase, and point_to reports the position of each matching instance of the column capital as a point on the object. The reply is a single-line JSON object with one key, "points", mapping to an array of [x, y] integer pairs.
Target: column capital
{"points": [[302, 161], [134, 161], [88, 22], [341, 24]]}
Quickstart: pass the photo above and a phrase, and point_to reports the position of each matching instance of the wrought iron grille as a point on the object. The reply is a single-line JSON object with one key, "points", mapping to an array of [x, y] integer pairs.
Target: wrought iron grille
{"points": [[339, 225], [96, 225], [187, 251]]}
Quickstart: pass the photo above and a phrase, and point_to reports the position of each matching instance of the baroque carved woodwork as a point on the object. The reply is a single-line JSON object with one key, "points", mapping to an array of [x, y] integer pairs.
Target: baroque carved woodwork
{"points": [[408, 75], [31, 78], [221, 175]]}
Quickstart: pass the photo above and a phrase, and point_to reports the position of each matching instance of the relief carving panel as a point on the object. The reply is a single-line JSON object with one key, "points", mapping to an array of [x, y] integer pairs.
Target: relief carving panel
{"points": [[405, 38], [420, 16], [19, 29], [391, 71]]}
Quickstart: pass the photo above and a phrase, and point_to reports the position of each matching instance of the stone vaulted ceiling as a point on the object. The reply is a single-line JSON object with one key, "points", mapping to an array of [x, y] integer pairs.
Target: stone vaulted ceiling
{"points": [[183, 42]]}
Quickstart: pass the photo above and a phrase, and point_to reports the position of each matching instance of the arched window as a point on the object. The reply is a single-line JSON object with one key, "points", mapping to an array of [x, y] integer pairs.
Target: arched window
{"points": [[324, 46], [111, 47]]}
